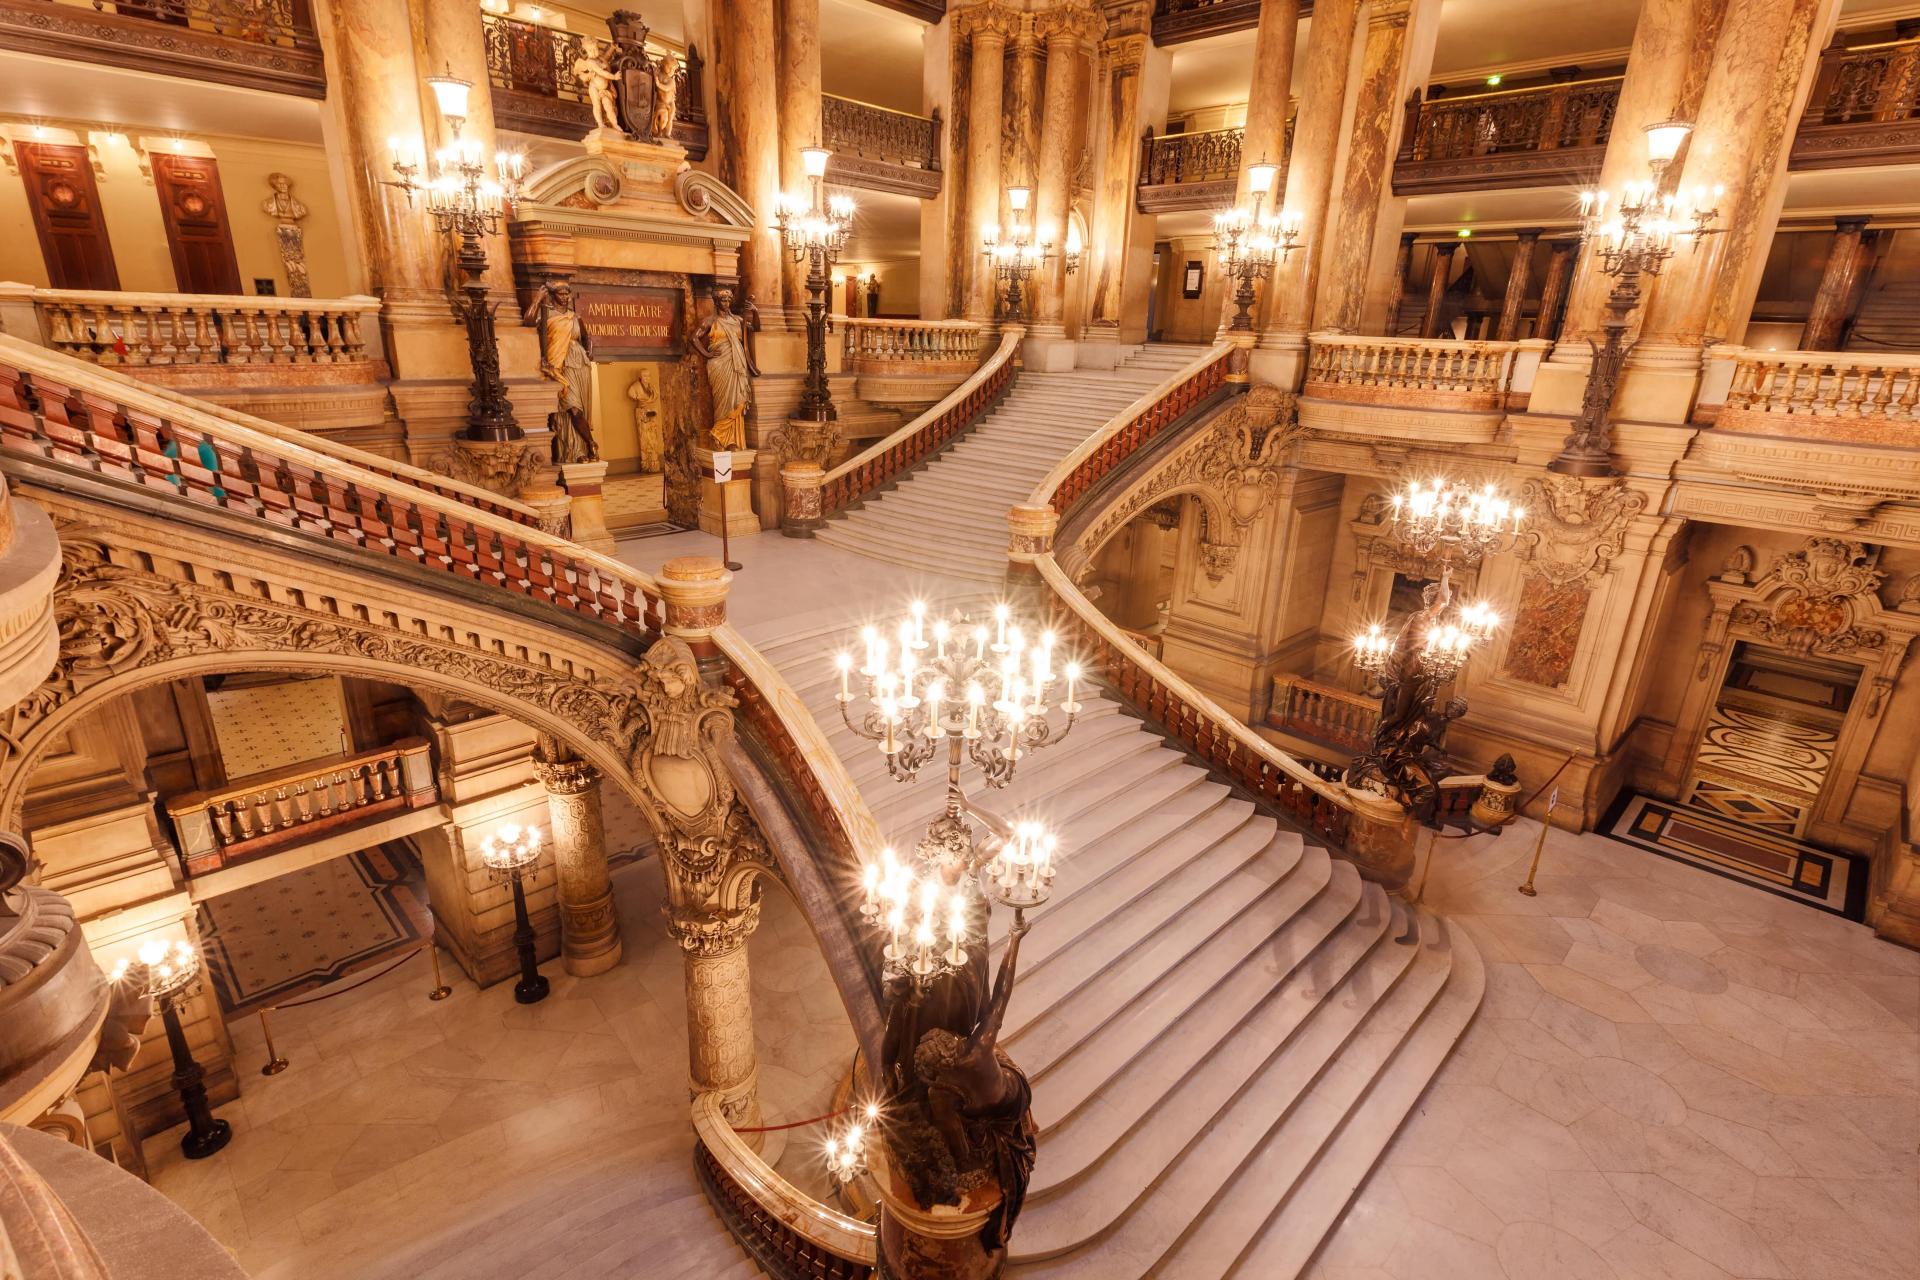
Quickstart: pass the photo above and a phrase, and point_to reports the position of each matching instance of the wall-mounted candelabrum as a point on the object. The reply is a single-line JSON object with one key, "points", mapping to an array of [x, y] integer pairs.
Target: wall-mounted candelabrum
{"points": [[1632, 235], [467, 201], [1250, 242]]}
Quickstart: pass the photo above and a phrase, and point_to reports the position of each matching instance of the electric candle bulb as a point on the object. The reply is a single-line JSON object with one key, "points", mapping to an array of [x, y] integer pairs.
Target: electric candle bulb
{"points": [[940, 633], [844, 662], [1000, 615], [1073, 676], [870, 884], [975, 696], [919, 611]]}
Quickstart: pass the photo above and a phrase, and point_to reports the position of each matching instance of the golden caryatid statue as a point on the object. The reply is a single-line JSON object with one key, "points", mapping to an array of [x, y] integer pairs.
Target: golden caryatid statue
{"points": [[649, 428], [566, 357], [725, 341]]}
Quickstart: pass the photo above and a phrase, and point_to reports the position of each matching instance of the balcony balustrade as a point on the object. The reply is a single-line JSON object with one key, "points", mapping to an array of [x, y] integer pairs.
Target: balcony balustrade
{"points": [[258, 44], [535, 89], [881, 149], [1178, 20], [1845, 397], [1323, 714], [1409, 373], [1865, 107], [276, 808], [182, 330], [913, 346], [1547, 136], [1199, 170]]}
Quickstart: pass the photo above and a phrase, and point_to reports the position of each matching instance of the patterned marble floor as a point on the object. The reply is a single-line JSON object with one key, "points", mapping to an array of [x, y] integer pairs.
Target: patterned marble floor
{"points": [[1762, 768]]}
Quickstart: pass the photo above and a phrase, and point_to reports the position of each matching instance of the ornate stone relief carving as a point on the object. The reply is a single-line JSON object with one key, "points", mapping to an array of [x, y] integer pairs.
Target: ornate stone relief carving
{"points": [[1232, 468], [504, 469], [1574, 529], [1814, 600]]}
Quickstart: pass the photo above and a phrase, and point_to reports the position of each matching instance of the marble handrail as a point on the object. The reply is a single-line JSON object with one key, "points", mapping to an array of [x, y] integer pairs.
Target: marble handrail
{"points": [[1822, 384], [926, 434], [893, 343], [1412, 372], [173, 329], [38, 1233], [785, 1210]]}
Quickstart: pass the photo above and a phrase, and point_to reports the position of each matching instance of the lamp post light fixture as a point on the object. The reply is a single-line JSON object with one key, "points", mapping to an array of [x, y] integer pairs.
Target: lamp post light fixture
{"points": [[1459, 522], [815, 231], [169, 972], [509, 854], [1250, 242], [467, 202], [1634, 238], [1015, 251]]}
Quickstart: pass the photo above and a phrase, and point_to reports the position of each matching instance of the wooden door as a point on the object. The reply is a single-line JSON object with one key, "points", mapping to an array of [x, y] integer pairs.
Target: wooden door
{"points": [[197, 230], [66, 215]]}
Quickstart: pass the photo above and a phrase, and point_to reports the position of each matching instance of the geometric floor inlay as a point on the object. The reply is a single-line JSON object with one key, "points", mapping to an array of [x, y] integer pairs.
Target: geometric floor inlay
{"points": [[1823, 878], [1760, 769], [271, 941], [272, 726]]}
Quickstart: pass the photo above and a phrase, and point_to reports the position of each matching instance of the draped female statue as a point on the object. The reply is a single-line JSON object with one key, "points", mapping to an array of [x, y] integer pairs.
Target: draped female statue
{"points": [[566, 350], [725, 341]]}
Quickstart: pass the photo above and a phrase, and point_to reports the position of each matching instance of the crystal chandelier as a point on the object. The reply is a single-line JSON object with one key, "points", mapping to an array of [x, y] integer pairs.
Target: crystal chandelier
{"points": [[846, 1150], [1457, 521], [1250, 242], [1452, 631]]}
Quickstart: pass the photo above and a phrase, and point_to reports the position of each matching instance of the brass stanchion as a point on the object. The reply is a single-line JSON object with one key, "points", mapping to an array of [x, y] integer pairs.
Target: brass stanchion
{"points": [[440, 989], [275, 1063], [1540, 845]]}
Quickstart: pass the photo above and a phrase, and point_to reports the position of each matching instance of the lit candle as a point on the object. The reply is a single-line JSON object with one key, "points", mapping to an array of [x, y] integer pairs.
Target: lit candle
{"points": [[871, 638], [940, 633], [1073, 675], [979, 644], [935, 692], [844, 661], [896, 922], [975, 696], [919, 609], [1014, 716], [1000, 614], [870, 882]]}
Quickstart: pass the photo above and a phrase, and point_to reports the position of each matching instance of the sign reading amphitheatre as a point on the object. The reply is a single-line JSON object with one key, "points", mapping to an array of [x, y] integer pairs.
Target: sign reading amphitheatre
{"points": [[630, 321]]}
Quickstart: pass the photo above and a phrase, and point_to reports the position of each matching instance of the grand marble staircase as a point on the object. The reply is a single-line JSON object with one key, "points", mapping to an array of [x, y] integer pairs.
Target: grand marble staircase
{"points": [[1224, 1025], [949, 517]]}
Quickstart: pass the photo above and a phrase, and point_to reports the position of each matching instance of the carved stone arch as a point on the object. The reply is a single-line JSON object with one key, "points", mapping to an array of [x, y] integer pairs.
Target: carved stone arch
{"points": [[579, 182]]}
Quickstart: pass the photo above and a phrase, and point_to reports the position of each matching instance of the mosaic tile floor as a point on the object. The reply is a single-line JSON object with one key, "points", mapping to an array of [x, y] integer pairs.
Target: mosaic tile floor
{"points": [[1824, 878], [269, 726], [1762, 769], [634, 501], [272, 941]]}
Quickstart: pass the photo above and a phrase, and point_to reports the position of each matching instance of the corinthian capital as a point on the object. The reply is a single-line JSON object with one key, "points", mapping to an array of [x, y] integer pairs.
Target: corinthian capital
{"points": [[559, 771], [988, 20], [1068, 25]]}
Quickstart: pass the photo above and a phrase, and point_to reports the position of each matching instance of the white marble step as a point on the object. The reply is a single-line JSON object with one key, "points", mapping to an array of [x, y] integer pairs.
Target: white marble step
{"points": [[964, 568]]}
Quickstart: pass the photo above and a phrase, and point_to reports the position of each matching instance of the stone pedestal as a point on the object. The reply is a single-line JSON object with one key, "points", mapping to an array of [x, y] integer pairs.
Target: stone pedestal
{"points": [[694, 589], [1382, 840], [589, 930], [585, 484], [731, 503], [550, 504], [934, 1244], [800, 485]]}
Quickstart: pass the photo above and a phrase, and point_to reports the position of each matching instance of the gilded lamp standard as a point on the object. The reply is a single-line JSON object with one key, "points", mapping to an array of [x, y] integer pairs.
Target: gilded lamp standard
{"points": [[1250, 242], [168, 973], [1014, 251], [1632, 236], [467, 203], [510, 854], [814, 232]]}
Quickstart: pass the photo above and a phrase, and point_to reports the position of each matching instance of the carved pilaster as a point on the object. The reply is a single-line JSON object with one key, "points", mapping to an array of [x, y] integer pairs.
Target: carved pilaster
{"points": [[1575, 528], [589, 929]]}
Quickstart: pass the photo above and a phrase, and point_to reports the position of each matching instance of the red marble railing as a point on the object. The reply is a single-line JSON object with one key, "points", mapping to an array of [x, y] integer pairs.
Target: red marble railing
{"points": [[925, 436], [777, 1246], [1323, 713], [67, 412], [1138, 423]]}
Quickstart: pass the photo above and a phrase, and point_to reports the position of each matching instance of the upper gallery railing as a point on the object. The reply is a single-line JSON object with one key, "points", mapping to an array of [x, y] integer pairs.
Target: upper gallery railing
{"points": [[537, 91], [1431, 373], [260, 44], [1180, 710], [1543, 135], [269, 810], [789, 1233], [1865, 107], [1177, 20], [153, 329], [926, 435], [1323, 713], [1847, 396], [901, 346], [1198, 170], [880, 133]]}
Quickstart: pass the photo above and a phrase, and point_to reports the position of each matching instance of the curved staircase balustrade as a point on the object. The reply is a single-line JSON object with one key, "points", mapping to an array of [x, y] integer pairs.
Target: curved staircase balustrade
{"points": [[1180, 710], [789, 1233], [39, 1237], [926, 435]]}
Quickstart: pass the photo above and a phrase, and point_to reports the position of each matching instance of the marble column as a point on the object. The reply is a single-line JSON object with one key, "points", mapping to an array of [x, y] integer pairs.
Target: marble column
{"points": [[1517, 279], [1369, 167], [1309, 186], [455, 42], [1064, 31], [1402, 272], [1264, 138], [1671, 38], [720, 1050], [799, 95], [1123, 60], [1839, 291], [1023, 103], [750, 158], [374, 80], [1437, 277], [589, 930], [1553, 290], [988, 28], [1761, 73]]}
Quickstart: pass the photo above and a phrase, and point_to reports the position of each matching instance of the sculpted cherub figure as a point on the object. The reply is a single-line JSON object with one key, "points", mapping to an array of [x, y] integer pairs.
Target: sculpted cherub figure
{"points": [[597, 78]]}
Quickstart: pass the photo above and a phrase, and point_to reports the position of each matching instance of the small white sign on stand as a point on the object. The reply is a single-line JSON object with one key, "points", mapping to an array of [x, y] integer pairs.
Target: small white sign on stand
{"points": [[722, 476], [722, 467]]}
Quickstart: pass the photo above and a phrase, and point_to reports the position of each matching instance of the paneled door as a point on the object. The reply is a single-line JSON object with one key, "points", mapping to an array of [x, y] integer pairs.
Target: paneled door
{"points": [[197, 230], [66, 215]]}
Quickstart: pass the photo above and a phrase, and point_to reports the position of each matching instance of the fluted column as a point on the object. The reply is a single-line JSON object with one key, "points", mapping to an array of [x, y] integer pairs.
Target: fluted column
{"points": [[749, 113], [1839, 289], [1369, 164], [1437, 287], [589, 931], [720, 1051], [1064, 31], [456, 43], [1122, 59], [1309, 187], [799, 127], [1671, 40], [987, 28], [1517, 279], [374, 83], [1761, 73], [1553, 290]]}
